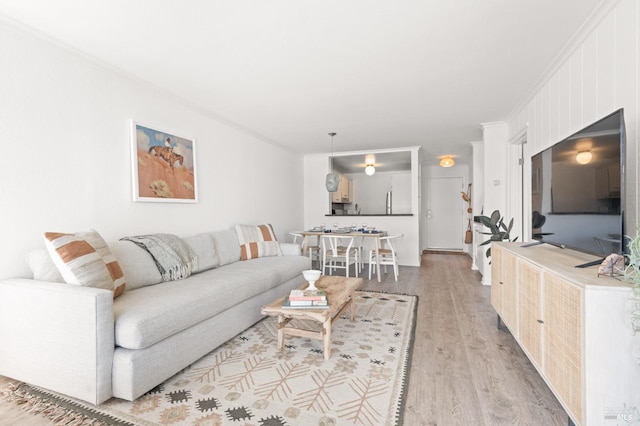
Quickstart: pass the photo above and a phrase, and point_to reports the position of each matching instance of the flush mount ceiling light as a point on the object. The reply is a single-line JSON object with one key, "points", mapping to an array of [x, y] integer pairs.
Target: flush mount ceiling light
{"points": [[584, 157], [333, 180], [447, 161], [370, 169]]}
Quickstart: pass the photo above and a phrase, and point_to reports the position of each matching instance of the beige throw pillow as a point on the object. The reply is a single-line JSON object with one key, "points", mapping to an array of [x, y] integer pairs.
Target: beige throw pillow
{"points": [[257, 241], [83, 258]]}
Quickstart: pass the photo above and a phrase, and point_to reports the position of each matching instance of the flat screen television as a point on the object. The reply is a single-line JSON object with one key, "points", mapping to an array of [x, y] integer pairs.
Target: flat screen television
{"points": [[577, 188]]}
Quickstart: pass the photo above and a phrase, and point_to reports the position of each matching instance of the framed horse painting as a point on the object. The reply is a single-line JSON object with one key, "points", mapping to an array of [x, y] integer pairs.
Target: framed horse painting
{"points": [[163, 166]]}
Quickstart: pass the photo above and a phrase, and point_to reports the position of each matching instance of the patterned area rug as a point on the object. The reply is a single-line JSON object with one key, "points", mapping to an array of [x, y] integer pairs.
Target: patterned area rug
{"points": [[248, 381]]}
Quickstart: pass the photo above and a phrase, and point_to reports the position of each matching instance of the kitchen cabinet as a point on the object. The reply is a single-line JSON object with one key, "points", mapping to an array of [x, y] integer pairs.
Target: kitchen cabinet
{"points": [[573, 325], [344, 193]]}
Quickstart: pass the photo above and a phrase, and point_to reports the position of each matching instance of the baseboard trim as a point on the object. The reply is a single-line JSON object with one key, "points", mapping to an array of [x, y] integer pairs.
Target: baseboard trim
{"points": [[459, 253]]}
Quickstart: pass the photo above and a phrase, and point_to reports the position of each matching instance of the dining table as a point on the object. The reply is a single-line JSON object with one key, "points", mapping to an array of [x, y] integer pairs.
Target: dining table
{"points": [[365, 234]]}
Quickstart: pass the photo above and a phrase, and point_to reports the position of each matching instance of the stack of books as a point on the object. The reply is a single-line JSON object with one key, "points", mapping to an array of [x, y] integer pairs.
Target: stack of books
{"points": [[310, 299]]}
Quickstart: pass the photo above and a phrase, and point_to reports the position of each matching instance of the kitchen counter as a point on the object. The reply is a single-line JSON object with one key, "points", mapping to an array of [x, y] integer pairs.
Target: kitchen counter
{"points": [[371, 214]]}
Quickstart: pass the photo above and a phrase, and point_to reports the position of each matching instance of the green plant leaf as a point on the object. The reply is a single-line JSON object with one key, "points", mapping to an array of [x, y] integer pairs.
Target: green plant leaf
{"points": [[485, 221], [495, 216]]}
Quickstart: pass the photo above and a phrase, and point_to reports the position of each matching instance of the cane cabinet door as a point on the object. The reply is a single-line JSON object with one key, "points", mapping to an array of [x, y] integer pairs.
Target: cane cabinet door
{"points": [[510, 291], [531, 322], [563, 340], [496, 278]]}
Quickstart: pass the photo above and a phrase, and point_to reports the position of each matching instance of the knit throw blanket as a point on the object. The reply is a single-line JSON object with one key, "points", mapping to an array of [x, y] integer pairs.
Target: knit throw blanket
{"points": [[174, 258]]}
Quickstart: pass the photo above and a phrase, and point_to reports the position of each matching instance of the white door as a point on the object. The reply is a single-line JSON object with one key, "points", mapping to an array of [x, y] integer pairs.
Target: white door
{"points": [[444, 209]]}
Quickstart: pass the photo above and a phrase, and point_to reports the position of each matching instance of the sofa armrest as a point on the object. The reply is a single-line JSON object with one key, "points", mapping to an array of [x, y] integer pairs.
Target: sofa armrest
{"points": [[291, 249], [57, 336]]}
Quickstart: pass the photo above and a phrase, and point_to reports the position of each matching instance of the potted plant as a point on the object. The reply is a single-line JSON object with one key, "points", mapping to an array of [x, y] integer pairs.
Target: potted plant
{"points": [[499, 230]]}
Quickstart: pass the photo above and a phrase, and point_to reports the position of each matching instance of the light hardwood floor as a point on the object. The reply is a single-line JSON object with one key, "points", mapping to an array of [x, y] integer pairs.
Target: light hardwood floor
{"points": [[464, 370]]}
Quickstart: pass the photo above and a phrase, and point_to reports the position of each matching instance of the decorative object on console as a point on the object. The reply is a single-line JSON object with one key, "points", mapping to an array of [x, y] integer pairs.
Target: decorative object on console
{"points": [[84, 259], [163, 166], [499, 231], [333, 180], [612, 265], [257, 241]]}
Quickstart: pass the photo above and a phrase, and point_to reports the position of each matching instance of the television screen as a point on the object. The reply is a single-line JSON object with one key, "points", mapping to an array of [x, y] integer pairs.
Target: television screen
{"points": [[577, 187]]}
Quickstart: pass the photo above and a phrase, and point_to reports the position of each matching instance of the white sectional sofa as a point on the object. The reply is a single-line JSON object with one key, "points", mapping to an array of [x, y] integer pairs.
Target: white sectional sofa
{"points": [[81, 342]]}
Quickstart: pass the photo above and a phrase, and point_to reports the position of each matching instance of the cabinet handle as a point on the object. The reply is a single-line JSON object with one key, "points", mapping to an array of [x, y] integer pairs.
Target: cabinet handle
{"points": [[540, 321], [501, 283]]}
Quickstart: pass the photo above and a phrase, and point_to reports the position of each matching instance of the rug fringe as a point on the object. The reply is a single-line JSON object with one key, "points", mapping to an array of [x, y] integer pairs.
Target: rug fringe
{"points": [[36, 405]]}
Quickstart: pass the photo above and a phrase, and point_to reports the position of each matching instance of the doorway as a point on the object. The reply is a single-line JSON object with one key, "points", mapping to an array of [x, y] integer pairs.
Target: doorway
{"points": [[443, 208]]}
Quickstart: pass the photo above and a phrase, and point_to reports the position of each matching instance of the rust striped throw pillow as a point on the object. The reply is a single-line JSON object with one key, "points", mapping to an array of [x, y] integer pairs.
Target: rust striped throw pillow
{"points": [[257, 241], [83, 258]]}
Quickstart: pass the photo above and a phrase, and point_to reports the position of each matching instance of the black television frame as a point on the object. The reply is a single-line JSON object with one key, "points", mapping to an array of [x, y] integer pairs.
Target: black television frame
{"points": [[539, 239]]}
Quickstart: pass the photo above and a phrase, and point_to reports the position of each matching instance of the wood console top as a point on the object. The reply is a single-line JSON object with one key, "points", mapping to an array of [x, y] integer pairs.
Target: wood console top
{"points": [[562, 262]]}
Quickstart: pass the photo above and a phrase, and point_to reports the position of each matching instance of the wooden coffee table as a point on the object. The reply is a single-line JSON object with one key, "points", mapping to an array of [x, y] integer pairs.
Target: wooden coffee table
{"points": [[341, 294]]}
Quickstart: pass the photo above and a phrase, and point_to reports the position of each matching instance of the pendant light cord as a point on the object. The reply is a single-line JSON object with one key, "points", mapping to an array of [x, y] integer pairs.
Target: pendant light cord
{"points": [[332, 134]]}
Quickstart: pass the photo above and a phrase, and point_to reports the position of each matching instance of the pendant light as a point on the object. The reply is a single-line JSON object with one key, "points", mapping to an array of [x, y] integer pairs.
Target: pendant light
{"points": [[333, 180]]}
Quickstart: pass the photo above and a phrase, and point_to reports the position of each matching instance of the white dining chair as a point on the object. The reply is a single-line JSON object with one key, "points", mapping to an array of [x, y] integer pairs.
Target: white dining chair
{"points": [[358, 243], [339, 252], [386, 255], [313, 251]]}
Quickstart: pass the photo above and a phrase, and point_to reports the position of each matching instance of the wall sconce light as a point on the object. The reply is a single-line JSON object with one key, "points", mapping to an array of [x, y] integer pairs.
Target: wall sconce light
{"points": [[370, 169], [447, 161], [584, 157]]}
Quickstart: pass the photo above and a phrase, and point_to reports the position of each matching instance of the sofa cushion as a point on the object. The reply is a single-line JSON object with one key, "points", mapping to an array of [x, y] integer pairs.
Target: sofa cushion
{"points": [[205, 249], [139, 268], [42, 266], [84, 259], [257, 241], [227, 246], [148, 315]]}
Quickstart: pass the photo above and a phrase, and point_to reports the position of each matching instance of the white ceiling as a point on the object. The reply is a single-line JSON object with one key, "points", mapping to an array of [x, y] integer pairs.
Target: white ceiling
{"points": [[379, 73]]}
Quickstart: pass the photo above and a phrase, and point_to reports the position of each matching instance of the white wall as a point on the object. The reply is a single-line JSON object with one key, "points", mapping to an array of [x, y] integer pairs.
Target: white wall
{"points": [[494, 136], [598, 74], [64, 124]]}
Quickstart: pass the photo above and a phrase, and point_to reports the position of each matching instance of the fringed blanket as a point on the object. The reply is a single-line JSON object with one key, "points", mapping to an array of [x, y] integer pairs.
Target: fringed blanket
{"points": [[174, 258]]}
